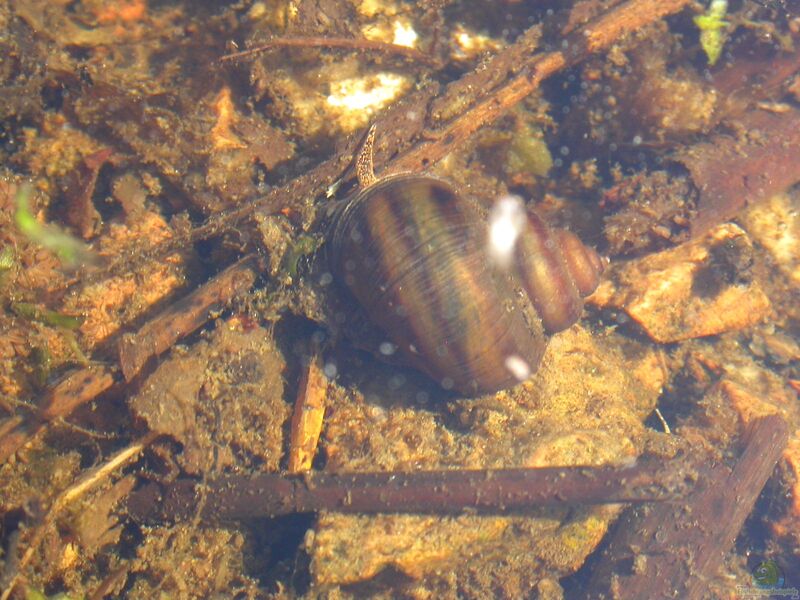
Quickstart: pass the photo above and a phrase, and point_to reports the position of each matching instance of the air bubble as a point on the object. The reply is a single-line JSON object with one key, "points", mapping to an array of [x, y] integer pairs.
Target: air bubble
{"points": [[387, 348], [518, 367], [507, 220], [396, 382], [330, 370]]}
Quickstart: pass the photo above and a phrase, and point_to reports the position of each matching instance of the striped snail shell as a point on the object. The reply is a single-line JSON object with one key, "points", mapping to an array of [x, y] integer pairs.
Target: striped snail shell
{"points": [[413, 254]]}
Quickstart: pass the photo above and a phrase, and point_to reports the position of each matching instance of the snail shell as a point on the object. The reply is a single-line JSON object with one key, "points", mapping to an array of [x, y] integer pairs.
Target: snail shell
{"points": [[413, 253]]}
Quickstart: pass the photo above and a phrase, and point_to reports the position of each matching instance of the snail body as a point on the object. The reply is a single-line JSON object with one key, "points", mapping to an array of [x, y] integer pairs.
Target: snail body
{"points": [[415, 255]]}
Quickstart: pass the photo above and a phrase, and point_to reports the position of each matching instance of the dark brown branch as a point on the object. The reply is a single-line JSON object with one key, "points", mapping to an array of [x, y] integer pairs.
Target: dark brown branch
{"points": [[177, 321], [440, 492], [81, 212], [401, 127], [323, 42], [597, 36], [678, 548], [186, 315], [76, 389], [733, 172]]}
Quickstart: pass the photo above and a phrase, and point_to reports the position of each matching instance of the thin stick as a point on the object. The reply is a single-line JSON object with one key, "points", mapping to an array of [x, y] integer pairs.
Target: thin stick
{"points": [[416, 156], [185, 316], [323, 42], [77, 389], [155, 337], [438, 492], [596, 36], [677, 549], [86, 482]]}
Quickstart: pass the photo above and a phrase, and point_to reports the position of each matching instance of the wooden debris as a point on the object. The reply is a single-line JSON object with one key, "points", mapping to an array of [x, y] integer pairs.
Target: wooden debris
{"points": [[81, 212], [596, 36], [185, 316], [328, 42], [673, 550], [438, 492], [402, 126], [309, 411], [77, 389], [89, 480], [734, 172]]}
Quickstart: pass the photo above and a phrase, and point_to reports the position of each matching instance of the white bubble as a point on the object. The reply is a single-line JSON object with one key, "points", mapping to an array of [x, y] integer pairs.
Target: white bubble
{"points": [[396, 382], [637, 139], [330, 370], [507, 220], [518, 367], [326, 279], [447, 383], [387, 348]]}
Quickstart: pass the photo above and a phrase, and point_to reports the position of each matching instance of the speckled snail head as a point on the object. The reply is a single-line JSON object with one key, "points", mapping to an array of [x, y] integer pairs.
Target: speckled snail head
{"points": [[467, 300]]}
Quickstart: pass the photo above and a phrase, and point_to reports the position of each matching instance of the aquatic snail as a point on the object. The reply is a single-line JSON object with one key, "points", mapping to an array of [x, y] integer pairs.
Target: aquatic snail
{"points": [[423, 264]]}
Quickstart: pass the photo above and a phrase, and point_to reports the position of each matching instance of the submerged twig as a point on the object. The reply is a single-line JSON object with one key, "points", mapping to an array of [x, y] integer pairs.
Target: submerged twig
{"points": [[596, 36], [731, 173], [307, 417], [678, 548], [186, 315], [177, 321], [326, 42], [440, 492], [87, 481], [76, 389], [402, 126]]}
